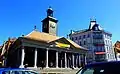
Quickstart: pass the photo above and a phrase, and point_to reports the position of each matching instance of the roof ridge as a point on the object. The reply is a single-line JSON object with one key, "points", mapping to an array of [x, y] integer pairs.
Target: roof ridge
{"points": [[30, 33], [42, 36], [41, 32]]}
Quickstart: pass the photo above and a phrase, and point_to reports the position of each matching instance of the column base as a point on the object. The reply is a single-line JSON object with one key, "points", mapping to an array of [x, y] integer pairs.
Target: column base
{"points": [[46, 67], [65, 67], [21, 66], [35, 66], [76, 67], [73, 67]]}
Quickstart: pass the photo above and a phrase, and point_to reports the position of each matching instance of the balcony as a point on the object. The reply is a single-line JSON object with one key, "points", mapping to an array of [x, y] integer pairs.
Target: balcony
{"points": [[97, 37], [98, 44], [99, 50]]}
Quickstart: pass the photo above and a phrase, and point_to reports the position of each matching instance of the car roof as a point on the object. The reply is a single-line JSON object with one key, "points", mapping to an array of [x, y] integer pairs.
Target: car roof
{"points": [[104, 64]]}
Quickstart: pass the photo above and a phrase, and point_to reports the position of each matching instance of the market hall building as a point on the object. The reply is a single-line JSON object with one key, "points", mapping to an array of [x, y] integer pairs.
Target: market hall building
{"points": [[46, 49]]}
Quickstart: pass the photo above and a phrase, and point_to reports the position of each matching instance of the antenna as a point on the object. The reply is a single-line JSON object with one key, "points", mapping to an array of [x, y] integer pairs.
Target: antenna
{"points": [[35, 27], [92, 18]]}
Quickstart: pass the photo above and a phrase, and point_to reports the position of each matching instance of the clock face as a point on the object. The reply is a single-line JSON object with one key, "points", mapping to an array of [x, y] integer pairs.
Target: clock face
{"points": [[52, 25]]}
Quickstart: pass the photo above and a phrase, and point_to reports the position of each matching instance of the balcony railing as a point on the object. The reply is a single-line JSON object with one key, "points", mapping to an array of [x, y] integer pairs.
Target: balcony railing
{"points": [[97, 37]]}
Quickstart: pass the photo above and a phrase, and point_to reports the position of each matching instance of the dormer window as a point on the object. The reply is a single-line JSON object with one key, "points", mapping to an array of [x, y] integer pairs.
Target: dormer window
{"points": [[95, 27]]}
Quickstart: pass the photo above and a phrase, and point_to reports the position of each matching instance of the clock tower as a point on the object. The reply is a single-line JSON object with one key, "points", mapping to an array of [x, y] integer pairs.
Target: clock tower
{"points": [[49, 24]]}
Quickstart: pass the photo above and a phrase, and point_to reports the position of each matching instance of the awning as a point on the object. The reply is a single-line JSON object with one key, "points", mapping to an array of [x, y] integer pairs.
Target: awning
{"points": [[99, 52]]}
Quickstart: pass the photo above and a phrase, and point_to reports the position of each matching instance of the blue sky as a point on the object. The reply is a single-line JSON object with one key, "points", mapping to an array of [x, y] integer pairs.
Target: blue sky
{"points": [[18, 17]]}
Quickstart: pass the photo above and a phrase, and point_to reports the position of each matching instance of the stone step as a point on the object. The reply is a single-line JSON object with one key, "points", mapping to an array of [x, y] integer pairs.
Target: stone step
{"points": [[56, 70]]}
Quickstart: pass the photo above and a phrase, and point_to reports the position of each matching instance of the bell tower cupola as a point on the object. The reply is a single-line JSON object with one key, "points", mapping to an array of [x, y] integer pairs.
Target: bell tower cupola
{"points": [[50, 12], [49, 24]]}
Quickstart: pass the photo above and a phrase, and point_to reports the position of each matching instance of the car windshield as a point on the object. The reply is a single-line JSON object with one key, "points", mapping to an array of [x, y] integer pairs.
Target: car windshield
{"points": [[100, 69], [94, 71]]}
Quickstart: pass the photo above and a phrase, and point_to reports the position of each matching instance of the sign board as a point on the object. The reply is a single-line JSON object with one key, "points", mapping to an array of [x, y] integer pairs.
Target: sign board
{"points": [[62, 45]]}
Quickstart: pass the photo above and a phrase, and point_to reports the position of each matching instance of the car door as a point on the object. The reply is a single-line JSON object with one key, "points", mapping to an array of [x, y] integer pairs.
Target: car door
{"points": [[5, 72]]}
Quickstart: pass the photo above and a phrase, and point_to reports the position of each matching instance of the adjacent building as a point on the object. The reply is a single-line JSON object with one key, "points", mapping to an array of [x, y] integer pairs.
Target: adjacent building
{"points": [[97, 40]]}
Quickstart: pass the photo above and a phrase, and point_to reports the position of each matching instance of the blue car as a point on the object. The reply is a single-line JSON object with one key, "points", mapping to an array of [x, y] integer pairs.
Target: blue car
{"points": [[101, 68], [16, 71]]}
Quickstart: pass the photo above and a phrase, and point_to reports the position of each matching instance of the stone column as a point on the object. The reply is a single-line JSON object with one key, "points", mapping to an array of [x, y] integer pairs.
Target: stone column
{"points": [[61, 63], [47, 58], [73, 60], [76, 61], [85, 59], [35, 58], [65, 60], [79, 57], [56, 59], [22, 57]]}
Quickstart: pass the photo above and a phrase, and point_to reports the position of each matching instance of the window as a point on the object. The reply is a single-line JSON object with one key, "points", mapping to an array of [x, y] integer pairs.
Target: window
{"points": [[88, 35], [106, 42], [72, 39], [103, 48], [80, 43], [79, 37], [83, 36], [84, 43], [110, 38], [108, 56], [75, 38], [96, 28]]}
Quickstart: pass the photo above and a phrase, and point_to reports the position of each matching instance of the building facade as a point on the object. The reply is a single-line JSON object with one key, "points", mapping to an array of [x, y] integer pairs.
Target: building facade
{"points": [[45, 49], [97, 40]]}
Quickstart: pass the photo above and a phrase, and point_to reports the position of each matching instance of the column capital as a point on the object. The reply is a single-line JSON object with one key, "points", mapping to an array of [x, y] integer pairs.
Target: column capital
{"points": [[47, 48], [56, 50], [36, 48], [23, 47]]}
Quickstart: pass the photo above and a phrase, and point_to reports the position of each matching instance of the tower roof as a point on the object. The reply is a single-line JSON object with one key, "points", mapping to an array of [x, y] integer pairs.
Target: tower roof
{"points": [[50, 11], [93, 25], [50, 8]]}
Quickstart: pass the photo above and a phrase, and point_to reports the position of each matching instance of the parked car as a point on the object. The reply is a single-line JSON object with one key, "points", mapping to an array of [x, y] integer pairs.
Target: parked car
{"points": [[16, 71], [101, 68]]}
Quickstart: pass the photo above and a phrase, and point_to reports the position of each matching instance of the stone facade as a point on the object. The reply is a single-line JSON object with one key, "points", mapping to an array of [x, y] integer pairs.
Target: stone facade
{"points": [[97, 40]]}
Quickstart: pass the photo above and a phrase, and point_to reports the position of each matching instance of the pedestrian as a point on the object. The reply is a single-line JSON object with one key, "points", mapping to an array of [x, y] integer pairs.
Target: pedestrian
{"points": [[42, 64]]}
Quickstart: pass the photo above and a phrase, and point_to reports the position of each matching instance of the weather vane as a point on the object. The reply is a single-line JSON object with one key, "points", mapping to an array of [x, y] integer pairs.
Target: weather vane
{"points": [[92, 18]]}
